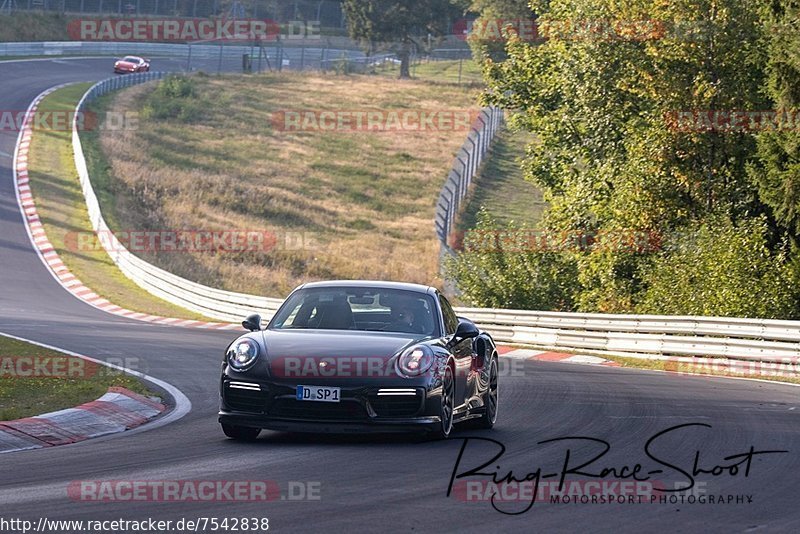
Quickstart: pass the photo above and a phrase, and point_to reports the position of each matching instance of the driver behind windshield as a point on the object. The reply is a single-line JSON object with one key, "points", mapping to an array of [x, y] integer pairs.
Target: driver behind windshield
{"points": [[403, 320]]}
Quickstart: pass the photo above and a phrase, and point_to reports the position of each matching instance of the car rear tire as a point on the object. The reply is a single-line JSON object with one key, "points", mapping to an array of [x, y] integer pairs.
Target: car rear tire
{"points": [[489, 416], [448, 405], [240, 433]]}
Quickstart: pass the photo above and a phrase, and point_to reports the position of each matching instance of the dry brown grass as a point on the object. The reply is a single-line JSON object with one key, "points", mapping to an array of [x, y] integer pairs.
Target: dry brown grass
{"points": [[367, 199]]}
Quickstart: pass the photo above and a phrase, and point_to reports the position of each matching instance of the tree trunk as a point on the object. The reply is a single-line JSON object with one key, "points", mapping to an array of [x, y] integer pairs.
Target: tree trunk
{"points": [[405, 54]]}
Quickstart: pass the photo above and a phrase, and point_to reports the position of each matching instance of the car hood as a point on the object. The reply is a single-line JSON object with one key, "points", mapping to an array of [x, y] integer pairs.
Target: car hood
{"points": [[126, 64], [335, 343], [332, 357]]}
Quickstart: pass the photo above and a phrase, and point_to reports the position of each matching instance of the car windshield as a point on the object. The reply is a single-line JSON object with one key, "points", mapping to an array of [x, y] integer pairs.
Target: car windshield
{"points": [[131, 59], [354, 308]]}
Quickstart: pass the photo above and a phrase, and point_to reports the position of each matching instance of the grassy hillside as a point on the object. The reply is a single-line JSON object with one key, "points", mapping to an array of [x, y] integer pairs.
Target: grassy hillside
{"points": [[500, 186], [22, 26], [34, 380], [62, 208], [351, 204]]}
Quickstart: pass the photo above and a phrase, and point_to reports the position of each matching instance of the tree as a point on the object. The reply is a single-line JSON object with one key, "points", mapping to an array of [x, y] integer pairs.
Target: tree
{"points": [[778, 171], [601, 93], [722, 269], [495, 16], [498, 268], [397, 21]]}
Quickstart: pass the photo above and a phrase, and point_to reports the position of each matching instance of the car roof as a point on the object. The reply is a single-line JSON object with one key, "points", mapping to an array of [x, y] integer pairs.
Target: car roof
{"points": [[379, 284]]}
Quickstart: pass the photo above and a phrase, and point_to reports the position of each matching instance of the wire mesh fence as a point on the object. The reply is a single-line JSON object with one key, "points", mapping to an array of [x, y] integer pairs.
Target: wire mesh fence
{"points": [[465, 167]]}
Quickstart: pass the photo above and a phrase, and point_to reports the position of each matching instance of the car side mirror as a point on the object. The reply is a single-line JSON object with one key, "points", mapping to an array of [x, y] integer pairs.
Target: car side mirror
{"points": [[466, 329], [252, 323]]}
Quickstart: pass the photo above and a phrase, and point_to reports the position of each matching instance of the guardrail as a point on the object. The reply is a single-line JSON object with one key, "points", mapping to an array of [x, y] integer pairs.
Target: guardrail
{"points": [[213, 303], [645, 335], [626, 335], [210, 56], [465, 166], [312, 54], [204, 48]]}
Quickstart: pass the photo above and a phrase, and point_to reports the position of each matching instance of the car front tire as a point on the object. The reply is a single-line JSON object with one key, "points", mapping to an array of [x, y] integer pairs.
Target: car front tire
{"points": [[490, 398], [448, 402], [240, 433]]}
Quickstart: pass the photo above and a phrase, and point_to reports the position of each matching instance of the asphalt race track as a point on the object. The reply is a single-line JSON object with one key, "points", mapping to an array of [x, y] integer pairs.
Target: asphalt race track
{"points": [[376, 484]]}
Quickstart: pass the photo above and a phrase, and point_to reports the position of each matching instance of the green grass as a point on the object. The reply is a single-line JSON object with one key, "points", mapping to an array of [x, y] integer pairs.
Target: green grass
{"points": [[216, 161], [700, 368], [500, 187], [61, 206], [33, 26], [441, 71], [73, 381], [691, 369], [50, 56]]}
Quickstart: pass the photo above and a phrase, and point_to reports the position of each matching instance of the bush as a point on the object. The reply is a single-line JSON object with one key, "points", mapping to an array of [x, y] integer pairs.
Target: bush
{"points": [[721, 269], [494, 271], [175, 98]]}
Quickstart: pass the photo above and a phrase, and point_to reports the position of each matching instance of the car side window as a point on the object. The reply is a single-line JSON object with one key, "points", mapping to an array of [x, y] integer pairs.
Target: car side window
{"points": [[449, 316]]}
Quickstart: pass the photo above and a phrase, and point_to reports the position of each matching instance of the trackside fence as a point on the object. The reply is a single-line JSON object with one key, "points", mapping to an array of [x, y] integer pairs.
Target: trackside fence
{"points": [[213, 303], [465, 166], [627, 335]]}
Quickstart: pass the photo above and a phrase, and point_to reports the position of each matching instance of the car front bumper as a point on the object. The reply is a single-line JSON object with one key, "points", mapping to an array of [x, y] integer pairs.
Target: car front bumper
{"points": [[385, 406], [377, 425]]}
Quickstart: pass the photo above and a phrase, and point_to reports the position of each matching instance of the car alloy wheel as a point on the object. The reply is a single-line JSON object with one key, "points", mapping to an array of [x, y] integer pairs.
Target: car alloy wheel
{"points": [[490, 399], [448, 403]]}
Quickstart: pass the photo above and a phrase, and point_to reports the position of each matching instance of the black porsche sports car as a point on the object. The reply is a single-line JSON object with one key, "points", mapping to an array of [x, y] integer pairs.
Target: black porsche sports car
{"points": [[356, 356]]}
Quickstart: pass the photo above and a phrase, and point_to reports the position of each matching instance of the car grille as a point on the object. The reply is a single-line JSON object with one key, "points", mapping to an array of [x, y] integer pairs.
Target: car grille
{"points": [[317, 410], [245, 400], [395, 405]]}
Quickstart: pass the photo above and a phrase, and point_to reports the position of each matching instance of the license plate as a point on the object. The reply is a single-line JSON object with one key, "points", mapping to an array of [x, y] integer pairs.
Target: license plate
{"points": [[318, 393]]}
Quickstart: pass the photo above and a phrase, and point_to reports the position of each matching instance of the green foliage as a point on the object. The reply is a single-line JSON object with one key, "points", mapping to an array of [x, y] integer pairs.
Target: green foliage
{"points": [[493, 14], [777, 172], [386, 23], [175, 98], [718, 268], [608, 157], [493, 270]]}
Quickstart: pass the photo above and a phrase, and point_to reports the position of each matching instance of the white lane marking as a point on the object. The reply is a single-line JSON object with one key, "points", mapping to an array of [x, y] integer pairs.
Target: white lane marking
{"points": [[581, 358], [522, 354], [73, 58], [182, 403]]}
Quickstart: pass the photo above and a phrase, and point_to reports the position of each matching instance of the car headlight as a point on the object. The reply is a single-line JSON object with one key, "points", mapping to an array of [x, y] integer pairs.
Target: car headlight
{"points": [[415, 360], [242, 354]]}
